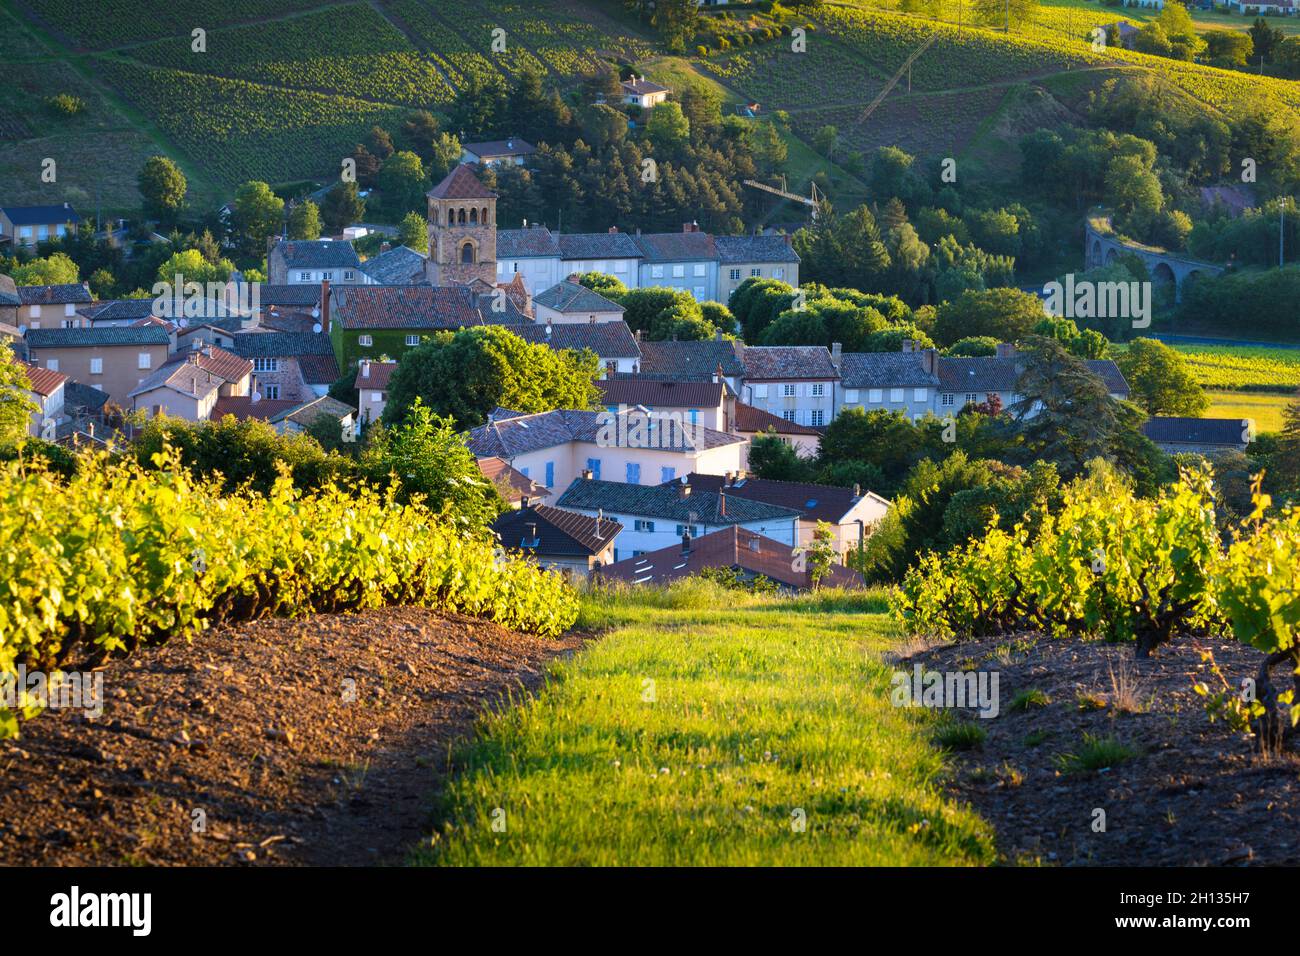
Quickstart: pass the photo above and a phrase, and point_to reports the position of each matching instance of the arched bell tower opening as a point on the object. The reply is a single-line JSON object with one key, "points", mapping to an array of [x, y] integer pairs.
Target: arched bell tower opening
{"points": [[462, 230]]}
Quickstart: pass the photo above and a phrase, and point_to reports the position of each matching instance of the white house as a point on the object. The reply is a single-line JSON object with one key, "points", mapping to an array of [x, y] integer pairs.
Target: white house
{"points": [[644, 93], [512, 152], [570, 302], [46, 392], [302, 262]]}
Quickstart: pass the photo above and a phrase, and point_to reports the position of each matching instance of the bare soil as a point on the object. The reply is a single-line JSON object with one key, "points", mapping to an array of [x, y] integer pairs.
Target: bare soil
{"points": [[316, 742], [1193, 793]]}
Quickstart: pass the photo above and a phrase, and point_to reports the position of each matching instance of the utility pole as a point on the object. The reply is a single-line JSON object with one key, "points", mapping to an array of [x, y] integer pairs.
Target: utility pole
{"points": [[1281, 235]]}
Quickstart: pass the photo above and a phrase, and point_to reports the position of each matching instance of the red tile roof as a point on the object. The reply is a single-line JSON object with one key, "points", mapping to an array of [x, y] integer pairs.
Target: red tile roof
{"points": [[551, 531], [513, 484], [44, 381], [380, 373], [659, 393], [751, 419], [243, 406], [461, 183], [404, 307]]}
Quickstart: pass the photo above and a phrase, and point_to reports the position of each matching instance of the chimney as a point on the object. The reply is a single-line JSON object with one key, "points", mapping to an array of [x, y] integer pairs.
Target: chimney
{"points": [[717, 372], [837, 354], [364, 366], [600, 516], [325, 305], [930, 361], [525, 223], [728, 478], [613, 230], [586, 474], [686, 540], [857, 491], [684, 487], [786, 237], [524, 502], [385, 247], [722, 503], [548, 328], [532, 530], [908, 345], [1006, 350]]}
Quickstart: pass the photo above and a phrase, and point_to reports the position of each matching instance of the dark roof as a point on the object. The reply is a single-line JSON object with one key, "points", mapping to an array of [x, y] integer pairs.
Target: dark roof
{"points": [[225, 365], [751, 419], [1197, 431], [501, 147], [304, 294], [598, 245], [243, 406], [400, 265], [104, 335], [461, 183], [404, 307], [317, 254], [609, 340], [513, 484], [318, 369], [1110, 374], [885, 369], [543, 530], [642, 86], [984, 373], [118, 310], [77, 395], [281, 344], [305, 413], [54, 294], [667, 501], [535, 242], [778, 362], [754, 249], [693, 361], [659, 393], [733, 547], [570, 297], [814, 502], [524, 433], [380, 373], [40, 215], [676, 246]]}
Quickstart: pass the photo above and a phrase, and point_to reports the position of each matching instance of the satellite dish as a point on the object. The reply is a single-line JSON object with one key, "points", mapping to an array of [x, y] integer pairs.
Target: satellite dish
{"points": [[182, 322], [315, 311], [256, 397], [23, 328], [316, 328]]}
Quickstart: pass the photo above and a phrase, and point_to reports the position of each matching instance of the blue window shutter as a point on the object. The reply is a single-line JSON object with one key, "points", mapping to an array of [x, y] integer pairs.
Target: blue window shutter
{"points": [[550, 474], [667, 474], [695, 416], [593, 465], [633, 473], [524, 472]]}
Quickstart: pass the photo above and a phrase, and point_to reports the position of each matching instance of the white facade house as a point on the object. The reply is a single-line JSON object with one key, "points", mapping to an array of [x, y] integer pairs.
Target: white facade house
{"points": [[311, 262], [644, 93], [569, 302]]}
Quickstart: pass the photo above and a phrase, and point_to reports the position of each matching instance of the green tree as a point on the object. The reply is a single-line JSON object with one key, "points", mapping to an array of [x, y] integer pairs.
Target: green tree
{"points": [[55, 269], [258, 215], [611, 287], [16, 405], [1160, 380], [191, 266], [162, 187], [667, 128], [342, 207], [402, 182], [304, 220], [1004, 314], [413, 233], [771, 457]]}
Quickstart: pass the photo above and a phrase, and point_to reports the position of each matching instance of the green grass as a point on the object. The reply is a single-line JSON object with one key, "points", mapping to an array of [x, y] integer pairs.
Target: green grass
{"points": [[1096, 753], [764, 711], [1029, 699], [1265, 409]]}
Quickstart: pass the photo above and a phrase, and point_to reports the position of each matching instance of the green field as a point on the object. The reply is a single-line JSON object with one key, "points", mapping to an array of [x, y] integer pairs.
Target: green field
{"points": [[1266, 410], [692, 736]]}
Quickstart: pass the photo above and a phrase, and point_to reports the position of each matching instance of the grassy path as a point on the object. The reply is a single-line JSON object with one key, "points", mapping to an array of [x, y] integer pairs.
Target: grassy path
{"points": [[701, 730]]}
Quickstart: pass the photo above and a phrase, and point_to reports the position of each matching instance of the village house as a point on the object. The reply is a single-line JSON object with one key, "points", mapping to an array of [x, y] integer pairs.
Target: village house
{"points": [[749, 554], [686, 260], [290, 366], [573, 544], [51, 306], [398, 265], [794, 382], [696, 361], [613, 342], [1203, 436], [371, 383], [516, 488], [509, 152], [9, 301], [27, 225], [190, 383], [556, 447], [47, 393], [754, 257], [851, 512], [371, 321], [568, 301], [532, 252], [301, 417], [312, 261], [114, 359], [710, 404], [751, 422], [656, 516], [644, 93], [613, 253], [116, 311]]}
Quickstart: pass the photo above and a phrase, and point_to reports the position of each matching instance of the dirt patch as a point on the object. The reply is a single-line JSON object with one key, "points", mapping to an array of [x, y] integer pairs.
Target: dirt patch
{"points": [[317, 742], [1189, 792]]}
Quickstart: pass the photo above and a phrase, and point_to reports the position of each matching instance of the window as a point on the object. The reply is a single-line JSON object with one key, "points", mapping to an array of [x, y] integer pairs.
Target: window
{"points": [[144, 360], [760, 391], [272, 392], [850, 396], [698, 292], [593, 466], [348, 275], [327, 275], [755, 273], [694, 529], [620, 266], [52, 364], [412, 340], [266, 364], [818, 389], [365, 341], [778, 273], [376, 397], [667, 474], [818, 417], [68, 324], [695, 416], [467, 254], [679, 272], [97, 366], [501, 267], [735, 275], [971, 398], [896, 395], [701, 270], [304, 276], [42, 232], [633, 473], [550, 474], [788, 414], [946, 400], [875, 396], [524, 472], [36, 312], [69, 309], [920, 394], [787, 390], [656, 272], [646, 526]]}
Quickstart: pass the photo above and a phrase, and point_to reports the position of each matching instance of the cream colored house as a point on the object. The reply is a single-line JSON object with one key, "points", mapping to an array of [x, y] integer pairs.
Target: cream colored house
{"points": [[569, 301], [189, 384], [372, 388], [52, 306], [711, 404], [114, 359]]}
